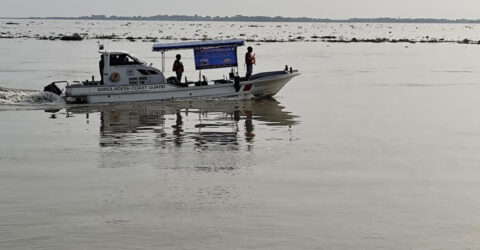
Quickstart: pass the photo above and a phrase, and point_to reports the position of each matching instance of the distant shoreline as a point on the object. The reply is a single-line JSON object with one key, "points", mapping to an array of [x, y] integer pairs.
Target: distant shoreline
{"points": [[240, 18]]}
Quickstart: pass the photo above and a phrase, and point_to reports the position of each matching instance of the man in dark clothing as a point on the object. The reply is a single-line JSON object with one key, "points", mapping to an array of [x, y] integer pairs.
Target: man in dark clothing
{"points": [[101, 65], [178, 68], [249, 61]]}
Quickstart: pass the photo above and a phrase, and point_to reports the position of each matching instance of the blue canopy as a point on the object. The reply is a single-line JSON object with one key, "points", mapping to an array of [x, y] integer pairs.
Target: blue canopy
{"points": [[198, 44]]}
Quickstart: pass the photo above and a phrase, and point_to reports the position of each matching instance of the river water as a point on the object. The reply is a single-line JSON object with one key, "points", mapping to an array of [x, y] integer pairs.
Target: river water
{"points": [[374, 146]]}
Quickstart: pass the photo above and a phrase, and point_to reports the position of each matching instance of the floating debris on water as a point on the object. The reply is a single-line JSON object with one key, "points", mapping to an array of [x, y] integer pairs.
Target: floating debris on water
{"points": [[252, 32], [74, 37], [131, 39]]}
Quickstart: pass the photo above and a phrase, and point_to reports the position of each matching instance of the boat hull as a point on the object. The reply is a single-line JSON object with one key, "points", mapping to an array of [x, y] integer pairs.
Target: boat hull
{"points": [[257, 87]]}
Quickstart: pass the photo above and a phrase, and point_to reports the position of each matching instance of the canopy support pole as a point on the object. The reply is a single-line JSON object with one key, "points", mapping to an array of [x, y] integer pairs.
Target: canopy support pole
{"points": [[163, 61]]}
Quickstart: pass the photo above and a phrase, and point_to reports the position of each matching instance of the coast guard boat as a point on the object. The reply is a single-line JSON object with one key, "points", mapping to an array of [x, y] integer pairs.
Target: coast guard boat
{"points": [[126, 78]]}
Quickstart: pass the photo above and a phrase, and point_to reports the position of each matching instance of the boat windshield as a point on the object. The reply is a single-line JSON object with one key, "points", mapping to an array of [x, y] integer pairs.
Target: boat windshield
{"points": [[124, 59], [139, 61]]}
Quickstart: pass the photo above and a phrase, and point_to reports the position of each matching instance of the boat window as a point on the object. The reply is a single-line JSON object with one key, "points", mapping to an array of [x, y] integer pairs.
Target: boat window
{"points": [[153, 72], [123, 59], [136, 60], [143, 72]]}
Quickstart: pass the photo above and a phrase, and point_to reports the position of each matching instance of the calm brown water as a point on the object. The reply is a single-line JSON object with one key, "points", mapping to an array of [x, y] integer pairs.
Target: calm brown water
{"points": [[374, 146]]}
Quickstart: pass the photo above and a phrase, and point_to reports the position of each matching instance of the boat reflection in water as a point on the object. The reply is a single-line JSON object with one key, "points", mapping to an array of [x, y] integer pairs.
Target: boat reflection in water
{"points": [[202, 124], [200, 135]]}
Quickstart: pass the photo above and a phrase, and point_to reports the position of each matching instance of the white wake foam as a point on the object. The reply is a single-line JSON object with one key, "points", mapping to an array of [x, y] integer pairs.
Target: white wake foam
{"points": [[27, 97]]}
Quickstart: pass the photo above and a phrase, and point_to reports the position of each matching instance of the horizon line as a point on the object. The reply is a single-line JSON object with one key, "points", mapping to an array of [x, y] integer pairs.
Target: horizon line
{"points": [[242, 18]]}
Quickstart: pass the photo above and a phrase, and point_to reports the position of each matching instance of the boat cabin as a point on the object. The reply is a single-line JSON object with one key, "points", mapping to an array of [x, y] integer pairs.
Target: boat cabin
{"points": [[122, 68]]}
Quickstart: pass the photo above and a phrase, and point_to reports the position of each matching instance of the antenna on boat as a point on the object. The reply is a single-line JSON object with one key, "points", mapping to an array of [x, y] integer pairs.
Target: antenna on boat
{"points": [[101, 48]]}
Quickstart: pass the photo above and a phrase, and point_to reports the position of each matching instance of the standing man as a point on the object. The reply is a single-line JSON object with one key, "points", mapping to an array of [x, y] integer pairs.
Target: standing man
{"points": [[178, 68], [249, 61], [101, 65]]}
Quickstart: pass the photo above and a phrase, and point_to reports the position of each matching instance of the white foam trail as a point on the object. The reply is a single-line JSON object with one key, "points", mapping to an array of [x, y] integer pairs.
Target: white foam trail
{"points": [[28, 97]]}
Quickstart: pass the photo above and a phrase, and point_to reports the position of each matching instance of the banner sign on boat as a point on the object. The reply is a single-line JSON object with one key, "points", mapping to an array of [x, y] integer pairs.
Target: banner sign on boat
{"points": [[211, 58]]}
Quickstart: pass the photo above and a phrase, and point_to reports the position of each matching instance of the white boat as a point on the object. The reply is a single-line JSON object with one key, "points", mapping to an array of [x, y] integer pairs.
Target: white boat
{"points": [[128, 79]]}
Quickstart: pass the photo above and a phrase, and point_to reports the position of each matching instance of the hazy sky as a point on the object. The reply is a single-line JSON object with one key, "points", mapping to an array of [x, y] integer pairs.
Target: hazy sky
{"points": [[295, 8]]}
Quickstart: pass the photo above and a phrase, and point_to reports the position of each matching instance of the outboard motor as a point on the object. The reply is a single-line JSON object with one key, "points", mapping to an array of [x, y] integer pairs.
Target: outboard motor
{"points": [[52, 88]]}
